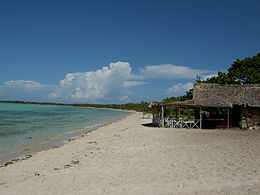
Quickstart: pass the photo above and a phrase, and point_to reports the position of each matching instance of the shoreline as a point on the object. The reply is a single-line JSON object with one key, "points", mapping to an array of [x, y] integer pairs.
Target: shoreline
{"points": [[54, 142], [97, 106], [128, 157]]}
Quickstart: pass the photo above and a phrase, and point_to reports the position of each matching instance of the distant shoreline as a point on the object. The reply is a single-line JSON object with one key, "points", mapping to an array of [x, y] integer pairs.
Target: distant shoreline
{"points": [[139, 107]]}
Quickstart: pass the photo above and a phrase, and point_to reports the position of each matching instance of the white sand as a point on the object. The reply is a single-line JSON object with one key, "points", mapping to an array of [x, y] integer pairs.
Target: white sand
{"points": [[128, 158]]}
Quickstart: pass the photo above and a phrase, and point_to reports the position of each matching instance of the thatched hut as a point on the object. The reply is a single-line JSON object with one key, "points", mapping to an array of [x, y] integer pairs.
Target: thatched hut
{"points": [[219, 106]]}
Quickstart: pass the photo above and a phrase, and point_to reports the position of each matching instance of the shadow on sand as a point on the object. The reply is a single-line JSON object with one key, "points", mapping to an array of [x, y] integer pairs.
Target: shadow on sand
{"points": [[149, 125]]}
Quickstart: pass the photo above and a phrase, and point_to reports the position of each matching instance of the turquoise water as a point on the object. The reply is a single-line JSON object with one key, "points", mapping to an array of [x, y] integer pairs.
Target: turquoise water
{"points": [[24, 125]]}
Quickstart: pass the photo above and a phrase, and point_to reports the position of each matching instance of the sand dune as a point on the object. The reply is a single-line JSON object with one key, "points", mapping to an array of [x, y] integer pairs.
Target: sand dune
{"points": [[126, 157]]}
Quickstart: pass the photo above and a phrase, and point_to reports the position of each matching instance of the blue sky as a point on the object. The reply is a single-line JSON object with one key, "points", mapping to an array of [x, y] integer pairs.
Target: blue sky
{"points": [[119, 51]]}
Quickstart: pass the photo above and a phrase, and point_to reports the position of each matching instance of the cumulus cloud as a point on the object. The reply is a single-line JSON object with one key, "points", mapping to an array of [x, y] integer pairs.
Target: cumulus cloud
{"points": [[109, 84], [104, 85], [169, 71], [25, 90], [179, 89]]}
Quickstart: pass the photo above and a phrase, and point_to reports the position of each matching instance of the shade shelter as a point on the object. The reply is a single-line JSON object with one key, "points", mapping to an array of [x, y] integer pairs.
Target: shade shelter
{"points": [[215, 106]]}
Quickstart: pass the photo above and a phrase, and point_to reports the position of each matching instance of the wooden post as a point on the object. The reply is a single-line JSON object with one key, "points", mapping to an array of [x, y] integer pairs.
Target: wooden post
{"points": [[228, 118], [162, 112], [200, 118], [162, 117]]}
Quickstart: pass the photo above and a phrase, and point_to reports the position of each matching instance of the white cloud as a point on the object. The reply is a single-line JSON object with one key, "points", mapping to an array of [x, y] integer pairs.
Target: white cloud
{"points": [[168, 71], [205, 77], [179, 89], [104, 85], [25, 90], [23, 83], [124, 98], [109, 84], [129, 84]]}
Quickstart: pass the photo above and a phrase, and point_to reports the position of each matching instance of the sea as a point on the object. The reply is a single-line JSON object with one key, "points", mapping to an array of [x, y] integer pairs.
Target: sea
{"points": [[28, 128]]}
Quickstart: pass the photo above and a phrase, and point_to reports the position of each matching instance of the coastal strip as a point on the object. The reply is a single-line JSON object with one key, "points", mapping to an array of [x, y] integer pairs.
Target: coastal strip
{"points": [[37, 145], [131, 157]]}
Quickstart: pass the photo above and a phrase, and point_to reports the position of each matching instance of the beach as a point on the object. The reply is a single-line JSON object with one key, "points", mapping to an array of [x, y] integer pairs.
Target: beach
{"points": [[130, 157]]}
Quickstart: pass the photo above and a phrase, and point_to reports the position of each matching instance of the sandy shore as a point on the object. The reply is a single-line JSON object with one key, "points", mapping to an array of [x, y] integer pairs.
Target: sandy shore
{"points": [[126, 157]]}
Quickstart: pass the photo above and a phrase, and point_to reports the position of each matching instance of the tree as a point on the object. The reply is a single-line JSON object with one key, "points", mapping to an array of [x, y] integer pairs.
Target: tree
{"points": [[246, 71], [221, 78]]}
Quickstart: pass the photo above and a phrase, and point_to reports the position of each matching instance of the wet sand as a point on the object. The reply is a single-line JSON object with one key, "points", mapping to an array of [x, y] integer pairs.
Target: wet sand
{"points": [[127, 157]]}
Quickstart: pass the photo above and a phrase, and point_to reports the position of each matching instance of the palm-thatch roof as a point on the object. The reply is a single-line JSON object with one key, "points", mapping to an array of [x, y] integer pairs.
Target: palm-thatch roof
{"points": [[218, 95]]}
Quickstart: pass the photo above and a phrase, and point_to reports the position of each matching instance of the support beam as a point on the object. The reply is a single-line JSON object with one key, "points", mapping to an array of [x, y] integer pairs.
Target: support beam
{"points": [[228, 118], [162, 117], [162, 112], [200, 118]]}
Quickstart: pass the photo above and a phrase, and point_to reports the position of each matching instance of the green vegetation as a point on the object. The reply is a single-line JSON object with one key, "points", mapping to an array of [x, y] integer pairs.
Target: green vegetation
{"points": [[246, 71], [187, 96], [186, 113]]}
